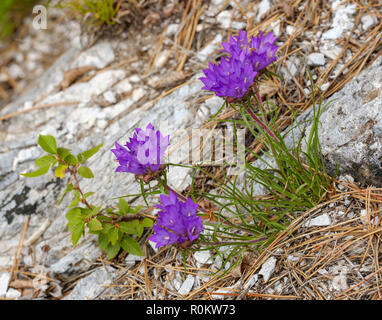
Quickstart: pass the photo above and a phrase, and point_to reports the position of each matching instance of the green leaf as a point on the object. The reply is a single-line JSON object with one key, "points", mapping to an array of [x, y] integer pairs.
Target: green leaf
{"points": [[47, 143], [88, 194], [69, 188], [82, 157], [106, 228], [113, 235], [86, 212], [76, 200], [94, 225], [77, 231], [93, 212], [112, 250], [45, 161], [85, 172], [71, 159], [134, 222], [128, 227], [123, 206], [63, 152], [103, 241], [139, 229], [131, 246], [104, 218], [73, 214], [60, 170], [109, 210], [36, 173], [147, 223], [138, 208]]}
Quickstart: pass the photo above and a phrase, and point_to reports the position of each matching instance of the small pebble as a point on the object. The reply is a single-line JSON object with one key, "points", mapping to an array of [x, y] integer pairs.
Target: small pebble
{"points": [[316, 59], [267, 268], [187, 285], [320, 221]]}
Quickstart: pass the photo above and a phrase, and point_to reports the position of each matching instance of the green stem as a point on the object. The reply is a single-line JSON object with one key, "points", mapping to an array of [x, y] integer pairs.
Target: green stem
{"points": [[73, 173]]}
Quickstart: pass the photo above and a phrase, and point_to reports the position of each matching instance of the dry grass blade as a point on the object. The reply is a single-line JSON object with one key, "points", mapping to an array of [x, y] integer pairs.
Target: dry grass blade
{"points": [[15, 265], [44, 106], [188, 32]]}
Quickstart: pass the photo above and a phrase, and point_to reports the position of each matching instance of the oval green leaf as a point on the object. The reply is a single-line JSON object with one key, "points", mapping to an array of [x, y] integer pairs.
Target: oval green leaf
{"points": [[36, 173], [47, 143], [112, 250], [60, 170], [127, 227], [131, 246], [113, 235], [123, 206], [77, 231], [85, 172], [103, 241], [71, 159], [45, 161], [147, 223], [63, 152], [94, 225]]}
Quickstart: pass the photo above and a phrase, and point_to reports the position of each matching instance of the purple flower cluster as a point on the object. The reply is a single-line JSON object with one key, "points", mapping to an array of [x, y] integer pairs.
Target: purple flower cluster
{"points": [[231, 78], [234, 75], [144, 153], [177, 221]]}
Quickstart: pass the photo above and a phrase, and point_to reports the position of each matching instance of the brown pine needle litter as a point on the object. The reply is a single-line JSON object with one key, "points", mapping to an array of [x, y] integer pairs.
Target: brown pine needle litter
{"points": [[337, 261]]}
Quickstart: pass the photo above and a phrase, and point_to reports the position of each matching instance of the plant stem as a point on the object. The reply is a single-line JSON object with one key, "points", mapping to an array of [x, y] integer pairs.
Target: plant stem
{"points": [[77, 185], [262, 125]]}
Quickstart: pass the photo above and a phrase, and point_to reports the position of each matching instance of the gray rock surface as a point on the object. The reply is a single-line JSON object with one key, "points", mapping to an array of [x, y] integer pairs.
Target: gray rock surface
{"points": [[350, 134], [80, 127], [92, 286], [350, 130]]}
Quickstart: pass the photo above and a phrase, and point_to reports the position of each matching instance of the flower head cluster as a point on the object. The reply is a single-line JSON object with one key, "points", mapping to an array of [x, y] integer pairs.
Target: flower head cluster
{"points": [[260, 50], [230, 78], [235, 74], [177, 221], [144, 153]]}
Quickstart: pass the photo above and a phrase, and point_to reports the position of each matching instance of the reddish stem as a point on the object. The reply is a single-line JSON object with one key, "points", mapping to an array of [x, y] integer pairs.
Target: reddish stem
{"points": [[262, 125]]}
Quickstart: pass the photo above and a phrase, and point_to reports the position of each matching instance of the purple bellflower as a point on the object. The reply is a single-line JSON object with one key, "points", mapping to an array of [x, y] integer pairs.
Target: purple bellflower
{"points": [[261, 50], [144, 153], [177, 221], [231, 78], [235, 74]]}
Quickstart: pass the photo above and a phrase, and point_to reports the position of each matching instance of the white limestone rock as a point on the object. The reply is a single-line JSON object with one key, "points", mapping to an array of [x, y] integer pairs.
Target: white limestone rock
{"points": [[187, 285], [203, 257], [320, 221], [267, 268], [100, 55], [316, 59], [4, 279], [92, 286]]}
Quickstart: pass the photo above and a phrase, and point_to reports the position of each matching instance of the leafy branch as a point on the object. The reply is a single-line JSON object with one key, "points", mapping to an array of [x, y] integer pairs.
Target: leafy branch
{"points": [[117, 228]]}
